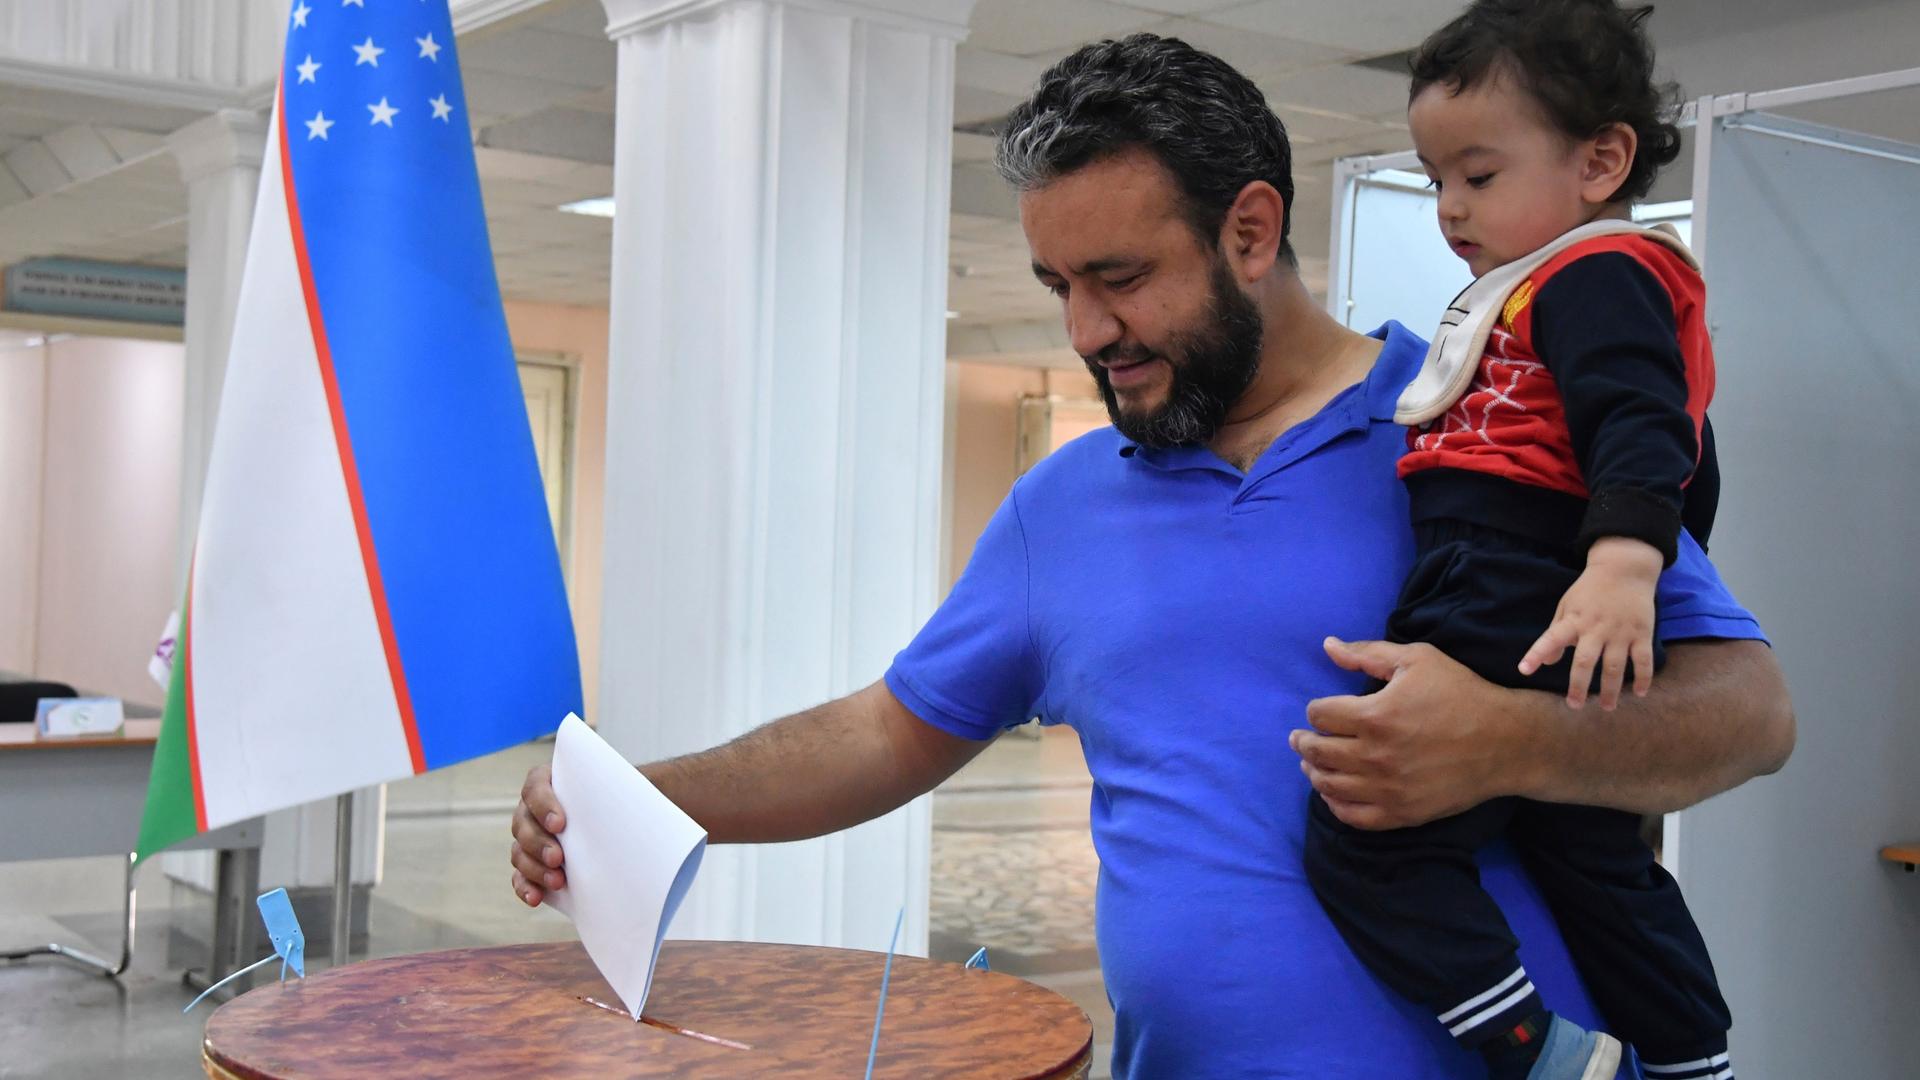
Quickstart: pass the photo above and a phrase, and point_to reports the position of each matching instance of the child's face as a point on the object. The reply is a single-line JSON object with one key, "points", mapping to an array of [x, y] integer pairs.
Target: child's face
{"points": [[1509, 181]]}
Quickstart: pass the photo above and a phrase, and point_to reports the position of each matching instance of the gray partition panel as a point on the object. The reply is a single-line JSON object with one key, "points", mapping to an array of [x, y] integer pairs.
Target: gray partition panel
{"points": [[1813, 275]]}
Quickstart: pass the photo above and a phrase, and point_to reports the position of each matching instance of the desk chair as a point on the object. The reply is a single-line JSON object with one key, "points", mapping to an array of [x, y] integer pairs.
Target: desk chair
{"points": [[20, 700]]}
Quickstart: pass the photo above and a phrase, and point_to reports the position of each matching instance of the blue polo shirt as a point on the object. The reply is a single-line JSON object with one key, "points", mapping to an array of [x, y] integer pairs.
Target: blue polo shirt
{"points": [[1170, 609]]}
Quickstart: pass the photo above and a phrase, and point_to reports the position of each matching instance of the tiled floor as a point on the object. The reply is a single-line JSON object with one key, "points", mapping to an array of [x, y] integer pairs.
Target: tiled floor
{"points": [[1013, 870]]}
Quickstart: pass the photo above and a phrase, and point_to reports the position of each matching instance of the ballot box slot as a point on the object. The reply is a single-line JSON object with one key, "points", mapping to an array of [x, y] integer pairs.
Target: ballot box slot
{"points": [[664, 1026]]}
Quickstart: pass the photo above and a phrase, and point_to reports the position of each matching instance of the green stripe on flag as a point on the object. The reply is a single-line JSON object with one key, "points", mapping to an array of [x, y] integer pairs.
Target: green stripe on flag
{"points": [[169, 817]]}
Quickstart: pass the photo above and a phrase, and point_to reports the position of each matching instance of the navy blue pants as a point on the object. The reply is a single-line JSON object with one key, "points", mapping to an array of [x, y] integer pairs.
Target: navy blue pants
{"points": [[1409, 901]]}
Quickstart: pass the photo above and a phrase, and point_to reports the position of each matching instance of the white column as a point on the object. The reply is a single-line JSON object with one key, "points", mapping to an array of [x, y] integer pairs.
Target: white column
{"points": [[775, 406], [219, 157]]}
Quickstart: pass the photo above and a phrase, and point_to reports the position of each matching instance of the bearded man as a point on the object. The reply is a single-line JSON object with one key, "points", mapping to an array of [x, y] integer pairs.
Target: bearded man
{"points": [[1185, 590]]}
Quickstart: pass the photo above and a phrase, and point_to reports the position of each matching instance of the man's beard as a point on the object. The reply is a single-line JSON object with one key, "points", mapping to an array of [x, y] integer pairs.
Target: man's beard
{"points": [[1211, 366]]}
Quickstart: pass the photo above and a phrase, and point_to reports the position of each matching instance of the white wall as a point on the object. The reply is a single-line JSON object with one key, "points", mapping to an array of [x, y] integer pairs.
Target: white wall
{"points": [[23, 389], [89, 491]]}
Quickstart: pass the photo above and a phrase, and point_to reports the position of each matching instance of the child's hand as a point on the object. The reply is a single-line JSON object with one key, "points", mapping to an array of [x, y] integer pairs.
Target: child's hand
{"points": [[1607, 617]]}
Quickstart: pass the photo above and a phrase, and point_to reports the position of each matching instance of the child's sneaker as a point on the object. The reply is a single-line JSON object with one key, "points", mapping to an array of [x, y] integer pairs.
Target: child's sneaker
{"points": [[1573, 1053]]}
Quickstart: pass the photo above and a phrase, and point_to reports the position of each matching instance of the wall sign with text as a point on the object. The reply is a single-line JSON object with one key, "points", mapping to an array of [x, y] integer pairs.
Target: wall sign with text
{"points": [[98, 290]]}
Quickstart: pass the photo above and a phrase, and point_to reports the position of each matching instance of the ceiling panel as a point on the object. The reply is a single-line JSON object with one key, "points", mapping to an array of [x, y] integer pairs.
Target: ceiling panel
{"points": [[1366, 27], [969, 147], [599, 101], [584, 63], [1002, 73], [1259, 56], [1347, 90], [498, 164], [582, 18], [503, 94], [972, 105], [562, 132], [1184, 7], [542, 90], [18, 124], [1314, 126], [1027, 28]]}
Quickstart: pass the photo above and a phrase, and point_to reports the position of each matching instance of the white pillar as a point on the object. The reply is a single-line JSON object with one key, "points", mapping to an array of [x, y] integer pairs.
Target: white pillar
{"points": [[219, 157], [775, 406]]}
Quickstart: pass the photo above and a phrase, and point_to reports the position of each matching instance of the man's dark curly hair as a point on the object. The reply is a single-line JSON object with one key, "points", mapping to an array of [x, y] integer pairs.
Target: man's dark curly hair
{"points": [[1588, 63], [1207, 123]]}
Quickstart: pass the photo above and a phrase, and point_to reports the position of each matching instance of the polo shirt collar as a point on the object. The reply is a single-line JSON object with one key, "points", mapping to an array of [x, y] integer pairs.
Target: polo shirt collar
{"points": [[1400, 360]]}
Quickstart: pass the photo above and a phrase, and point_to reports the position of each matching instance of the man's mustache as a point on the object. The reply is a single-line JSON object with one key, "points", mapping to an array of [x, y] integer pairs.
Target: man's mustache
{"points": [[1121, 354]]}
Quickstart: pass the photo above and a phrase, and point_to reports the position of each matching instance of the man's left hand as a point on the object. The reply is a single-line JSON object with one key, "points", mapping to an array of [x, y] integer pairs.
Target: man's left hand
{"points": [[1429, 744]]}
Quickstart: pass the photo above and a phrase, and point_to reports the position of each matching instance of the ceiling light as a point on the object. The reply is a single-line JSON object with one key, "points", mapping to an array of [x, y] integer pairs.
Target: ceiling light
{"points": [[600, 207]]}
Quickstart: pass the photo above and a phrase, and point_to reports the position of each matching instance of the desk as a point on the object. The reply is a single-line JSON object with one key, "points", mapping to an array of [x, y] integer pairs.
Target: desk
{"points": [[792, 1011], [69, 797]]}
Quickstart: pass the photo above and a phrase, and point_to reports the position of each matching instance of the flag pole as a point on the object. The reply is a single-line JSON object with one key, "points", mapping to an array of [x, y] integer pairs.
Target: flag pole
{"points": [[342, 876]]}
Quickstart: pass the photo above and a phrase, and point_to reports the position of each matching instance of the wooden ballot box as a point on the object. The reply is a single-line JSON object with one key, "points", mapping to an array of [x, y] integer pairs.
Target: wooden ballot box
{"points": [[717, 1009]]}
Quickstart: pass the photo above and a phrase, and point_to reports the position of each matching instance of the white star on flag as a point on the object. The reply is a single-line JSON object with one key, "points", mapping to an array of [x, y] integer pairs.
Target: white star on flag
{"points": [[429, 48], [369, 53], [307, 69], [300, 14], [383, 113], [440, 108], [317, 127]]}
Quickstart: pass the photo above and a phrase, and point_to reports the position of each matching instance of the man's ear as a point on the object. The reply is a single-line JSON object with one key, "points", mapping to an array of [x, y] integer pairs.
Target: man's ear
{"points": [[1250, 235], [1608, 160]]}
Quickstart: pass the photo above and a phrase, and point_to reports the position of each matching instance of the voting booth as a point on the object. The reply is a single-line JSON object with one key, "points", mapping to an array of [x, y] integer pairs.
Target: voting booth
{"points": [[1805, 210]]}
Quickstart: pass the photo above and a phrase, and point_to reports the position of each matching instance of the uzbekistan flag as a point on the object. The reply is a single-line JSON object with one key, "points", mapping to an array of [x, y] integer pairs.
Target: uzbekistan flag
{"points": [[374, 589]]}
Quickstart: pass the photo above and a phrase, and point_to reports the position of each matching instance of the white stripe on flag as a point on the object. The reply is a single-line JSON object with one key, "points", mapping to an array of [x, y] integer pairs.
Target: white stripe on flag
{"points": [[1492, 1011], [292, 697], [1484, 996]]}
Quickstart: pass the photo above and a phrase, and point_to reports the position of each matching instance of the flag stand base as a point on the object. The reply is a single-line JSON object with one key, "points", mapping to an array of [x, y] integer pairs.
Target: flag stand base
{"points": [[111, 970]]}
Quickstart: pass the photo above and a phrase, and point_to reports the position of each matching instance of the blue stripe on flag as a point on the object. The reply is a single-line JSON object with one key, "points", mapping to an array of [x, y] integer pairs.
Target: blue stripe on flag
{"points": [[389, 197]]}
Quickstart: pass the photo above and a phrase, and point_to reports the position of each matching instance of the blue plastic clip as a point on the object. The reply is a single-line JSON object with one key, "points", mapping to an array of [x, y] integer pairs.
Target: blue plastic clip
{"points": [[978, 961], [289, 944], [283, 929]]}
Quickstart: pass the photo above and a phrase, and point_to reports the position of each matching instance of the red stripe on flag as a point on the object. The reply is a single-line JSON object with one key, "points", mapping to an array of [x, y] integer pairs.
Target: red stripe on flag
{"points": [[368, 557], [193, 734]]}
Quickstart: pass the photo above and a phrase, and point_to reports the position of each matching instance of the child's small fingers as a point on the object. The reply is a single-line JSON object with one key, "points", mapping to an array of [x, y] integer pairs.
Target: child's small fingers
{"points": [[1585, 655], [1613, 672], [1642, 667], [1546, 650]]}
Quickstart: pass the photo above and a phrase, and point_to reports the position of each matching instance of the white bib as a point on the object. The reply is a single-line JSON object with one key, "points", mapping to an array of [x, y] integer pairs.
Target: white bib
{"points": [[1462, 337]]}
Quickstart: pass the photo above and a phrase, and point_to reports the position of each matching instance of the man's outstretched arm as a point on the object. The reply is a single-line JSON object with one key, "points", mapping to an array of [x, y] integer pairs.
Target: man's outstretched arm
{"points": [[812, 773], [1439, 739]]}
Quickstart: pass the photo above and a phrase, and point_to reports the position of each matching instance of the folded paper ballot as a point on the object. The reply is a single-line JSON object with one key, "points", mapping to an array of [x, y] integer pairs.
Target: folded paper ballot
{"points": [[631, 855]]}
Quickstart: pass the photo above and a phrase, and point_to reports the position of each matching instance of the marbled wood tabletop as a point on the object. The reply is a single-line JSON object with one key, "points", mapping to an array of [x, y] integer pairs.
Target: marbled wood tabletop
{"points": [[517, 1011]]}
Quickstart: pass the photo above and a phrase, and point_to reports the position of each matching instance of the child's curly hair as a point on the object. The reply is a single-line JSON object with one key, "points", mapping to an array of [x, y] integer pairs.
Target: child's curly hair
{"points": [[1588, 63]]}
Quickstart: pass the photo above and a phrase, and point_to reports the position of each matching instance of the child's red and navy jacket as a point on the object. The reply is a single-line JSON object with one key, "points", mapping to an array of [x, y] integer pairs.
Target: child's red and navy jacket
{"points": [[1594, 385]]}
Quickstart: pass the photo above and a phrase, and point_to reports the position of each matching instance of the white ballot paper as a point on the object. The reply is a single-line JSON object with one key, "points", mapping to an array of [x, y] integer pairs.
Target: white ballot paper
{"points": [[631, 855]]}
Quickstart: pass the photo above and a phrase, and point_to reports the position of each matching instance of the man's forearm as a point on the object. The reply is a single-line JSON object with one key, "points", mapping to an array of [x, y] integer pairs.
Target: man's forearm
{"points": [[812, 773], [1718, 716]]}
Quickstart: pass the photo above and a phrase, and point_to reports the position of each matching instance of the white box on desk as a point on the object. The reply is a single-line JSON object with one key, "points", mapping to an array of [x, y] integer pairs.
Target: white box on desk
{"points": [[60, 718]]}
